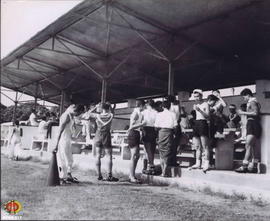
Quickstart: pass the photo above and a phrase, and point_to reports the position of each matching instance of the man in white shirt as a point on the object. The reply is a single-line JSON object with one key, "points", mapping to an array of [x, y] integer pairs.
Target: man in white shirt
{"points": [[33, 118], [165, 123], [149, 136]]}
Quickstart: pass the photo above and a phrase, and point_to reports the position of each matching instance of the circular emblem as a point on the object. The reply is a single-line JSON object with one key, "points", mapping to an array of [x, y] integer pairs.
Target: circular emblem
{"points": [[12, 207]]}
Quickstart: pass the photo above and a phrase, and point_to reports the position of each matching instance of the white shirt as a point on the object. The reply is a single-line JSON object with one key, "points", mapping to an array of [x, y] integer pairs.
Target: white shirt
{"points": [[32, 120], [203, 107], [149, 117], [136, 117], [166, 119], [175, 109], [42, 128]]}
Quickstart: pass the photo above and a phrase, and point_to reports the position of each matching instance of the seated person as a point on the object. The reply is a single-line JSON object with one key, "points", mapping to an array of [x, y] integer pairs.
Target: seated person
{"points": [[234, 118], [33, 118], [42, 128]]}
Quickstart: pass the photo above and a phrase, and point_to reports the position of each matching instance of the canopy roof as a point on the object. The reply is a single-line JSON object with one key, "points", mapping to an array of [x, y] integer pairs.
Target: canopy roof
{"points": [[130, 45]]}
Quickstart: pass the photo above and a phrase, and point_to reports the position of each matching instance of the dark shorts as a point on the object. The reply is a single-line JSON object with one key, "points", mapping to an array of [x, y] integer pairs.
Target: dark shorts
{"points": [[103, 139], [133, 138], [200, 128], [254, 128], [149, 136]]}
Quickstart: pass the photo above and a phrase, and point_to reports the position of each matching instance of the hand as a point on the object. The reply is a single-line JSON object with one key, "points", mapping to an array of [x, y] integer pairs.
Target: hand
{"points": [[197, 108], [240, 112], [55, 149]]}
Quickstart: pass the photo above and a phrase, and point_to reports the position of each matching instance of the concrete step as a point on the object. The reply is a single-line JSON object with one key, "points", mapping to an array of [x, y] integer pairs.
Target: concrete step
{"points": [[187, 153], [256, 181]]}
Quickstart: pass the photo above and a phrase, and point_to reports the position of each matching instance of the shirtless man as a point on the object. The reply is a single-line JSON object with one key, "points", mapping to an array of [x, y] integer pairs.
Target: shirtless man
{"points": [[136, 122], [63, 143]]}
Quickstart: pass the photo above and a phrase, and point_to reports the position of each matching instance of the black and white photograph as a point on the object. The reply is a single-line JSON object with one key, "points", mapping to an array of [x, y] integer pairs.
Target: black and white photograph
{"points": [[135, 110]]}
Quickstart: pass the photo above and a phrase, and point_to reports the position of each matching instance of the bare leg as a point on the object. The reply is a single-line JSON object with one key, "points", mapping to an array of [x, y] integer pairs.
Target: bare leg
{"points": [[205, 146], [98, 161], [133, 161], [108, 158], [249, 155], [197, 145]]}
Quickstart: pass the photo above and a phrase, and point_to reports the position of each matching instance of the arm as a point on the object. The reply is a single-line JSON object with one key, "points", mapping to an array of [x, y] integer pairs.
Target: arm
{"points": [[113, 108], [222, 102], [253, 113], [132, 121], [89, 114]]}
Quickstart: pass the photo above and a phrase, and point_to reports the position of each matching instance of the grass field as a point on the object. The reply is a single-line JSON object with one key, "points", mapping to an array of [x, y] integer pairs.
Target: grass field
{"points": [[96, 200]]}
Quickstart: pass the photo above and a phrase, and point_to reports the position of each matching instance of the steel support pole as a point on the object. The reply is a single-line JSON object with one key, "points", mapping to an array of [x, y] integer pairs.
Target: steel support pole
{"points": [[104, 90], [36, 94], [62, 103], [170, 80], [15, 108]]}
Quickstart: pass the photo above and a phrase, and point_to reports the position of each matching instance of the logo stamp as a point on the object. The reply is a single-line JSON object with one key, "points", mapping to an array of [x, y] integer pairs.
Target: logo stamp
{"points": [[13, 207]]}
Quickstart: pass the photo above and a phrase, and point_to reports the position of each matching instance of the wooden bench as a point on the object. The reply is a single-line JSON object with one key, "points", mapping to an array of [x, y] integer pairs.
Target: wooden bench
{"points": [[4, 142]]}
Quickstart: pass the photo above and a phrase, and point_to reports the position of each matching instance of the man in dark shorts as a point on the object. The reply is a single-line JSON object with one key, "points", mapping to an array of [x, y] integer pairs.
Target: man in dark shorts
{"points": [[253, 130], [201, 128], [136, 122], [102, 140], [149, 136]]}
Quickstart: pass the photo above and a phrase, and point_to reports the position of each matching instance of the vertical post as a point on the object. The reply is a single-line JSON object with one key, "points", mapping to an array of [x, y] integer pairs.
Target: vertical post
{"points": [[170, 80], [36, 94], [262, 91], [62, 103], [104, 90], [15, 108]]}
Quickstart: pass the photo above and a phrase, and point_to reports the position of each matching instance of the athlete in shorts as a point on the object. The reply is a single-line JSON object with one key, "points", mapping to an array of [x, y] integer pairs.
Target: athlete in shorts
{"points": [[253, 130], [102, 140], [136, 122], [201, 128]]}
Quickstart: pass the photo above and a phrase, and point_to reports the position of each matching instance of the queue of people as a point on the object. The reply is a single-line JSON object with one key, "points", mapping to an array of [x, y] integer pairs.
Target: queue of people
{"points": [[156, 124]]}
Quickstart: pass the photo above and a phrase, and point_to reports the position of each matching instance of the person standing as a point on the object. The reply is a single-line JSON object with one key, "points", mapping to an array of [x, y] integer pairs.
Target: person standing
{"points": [[149, 136], [201, 128], [234, 118], [63, 143], [33, 118], [253, 130], [136, 122], [166, 123], [102, 140], [14, 142]]}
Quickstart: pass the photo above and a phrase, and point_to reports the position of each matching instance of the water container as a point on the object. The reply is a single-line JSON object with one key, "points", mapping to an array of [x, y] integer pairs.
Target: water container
{"points": [[224, 154]]}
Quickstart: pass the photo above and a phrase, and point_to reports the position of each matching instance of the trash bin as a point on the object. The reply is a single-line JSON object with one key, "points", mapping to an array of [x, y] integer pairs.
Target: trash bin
{"points": [[224, 154]]}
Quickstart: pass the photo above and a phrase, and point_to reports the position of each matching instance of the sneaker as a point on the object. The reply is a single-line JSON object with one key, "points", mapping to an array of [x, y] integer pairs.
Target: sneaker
{"points": [[135, 180], [100, 178], [251, 168], [195, 166], [242, 169], [111, 179], [64, 181], [72, 179]]}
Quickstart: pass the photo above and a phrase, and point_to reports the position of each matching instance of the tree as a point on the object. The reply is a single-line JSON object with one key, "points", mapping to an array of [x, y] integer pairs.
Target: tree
{"points": [[22, 113]]}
